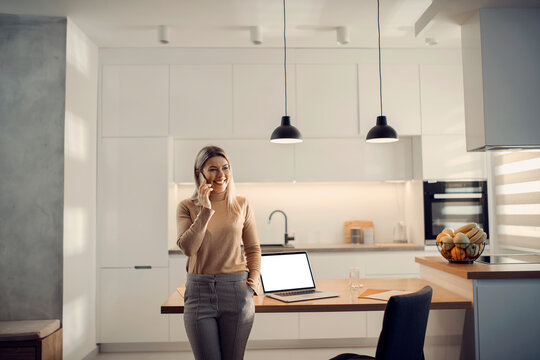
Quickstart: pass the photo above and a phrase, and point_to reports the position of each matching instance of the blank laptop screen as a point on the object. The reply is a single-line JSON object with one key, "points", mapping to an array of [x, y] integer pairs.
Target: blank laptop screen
{"points": [[290, 271]]}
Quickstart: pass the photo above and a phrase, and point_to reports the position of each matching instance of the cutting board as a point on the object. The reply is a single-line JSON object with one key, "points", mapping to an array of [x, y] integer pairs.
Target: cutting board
{"points": [[356, 224]]}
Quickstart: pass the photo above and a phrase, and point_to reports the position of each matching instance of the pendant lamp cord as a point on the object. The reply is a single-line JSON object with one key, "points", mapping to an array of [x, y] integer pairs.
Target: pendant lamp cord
{"points": [[379, 37], [285, 55]]}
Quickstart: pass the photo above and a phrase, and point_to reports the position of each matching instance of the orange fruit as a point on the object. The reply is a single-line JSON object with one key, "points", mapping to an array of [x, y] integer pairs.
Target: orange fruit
{"points": [[457, 253]]}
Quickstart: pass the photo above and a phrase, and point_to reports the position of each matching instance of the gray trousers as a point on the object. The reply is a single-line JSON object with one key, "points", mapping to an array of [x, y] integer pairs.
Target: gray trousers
{"points": [[218, 315]]}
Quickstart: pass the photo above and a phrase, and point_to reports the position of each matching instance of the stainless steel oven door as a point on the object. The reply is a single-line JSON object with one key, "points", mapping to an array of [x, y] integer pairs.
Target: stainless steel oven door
{"points": [[453, 210]]}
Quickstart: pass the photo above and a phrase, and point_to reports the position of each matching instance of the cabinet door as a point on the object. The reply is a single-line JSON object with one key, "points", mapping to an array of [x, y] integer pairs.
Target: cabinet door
{"points": [[326, 265], [129, 305], [392, 264], [135, 100], [333, 325], [446, 157], [401, 97], [371, 264], [391, 161], [327, 104], [177, 271], [275, 326], [251, 160], [259, 99], [177, 277], [352, 160], [132, 202], [443, 108], [201, 101]]}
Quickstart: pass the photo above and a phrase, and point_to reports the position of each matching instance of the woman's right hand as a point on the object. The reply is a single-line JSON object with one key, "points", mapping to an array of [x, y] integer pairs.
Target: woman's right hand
{"points": [[204, 194]]}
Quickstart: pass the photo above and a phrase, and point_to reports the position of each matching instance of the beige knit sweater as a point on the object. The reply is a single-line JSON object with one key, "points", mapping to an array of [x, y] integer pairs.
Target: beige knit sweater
{"points": [[212, 238]]}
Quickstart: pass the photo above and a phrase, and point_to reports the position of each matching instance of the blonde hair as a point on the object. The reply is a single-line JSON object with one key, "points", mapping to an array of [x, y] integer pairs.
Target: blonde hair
{"points": [[202, 157]]}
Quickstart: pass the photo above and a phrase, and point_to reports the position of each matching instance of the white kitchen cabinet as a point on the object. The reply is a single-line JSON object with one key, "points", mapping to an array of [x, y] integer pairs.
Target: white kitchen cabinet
{"points": [[443, 107], [201, 101], [336, 265], [445, 157], [252, 160], [327, 100], [392, 264], [177, 277], [259, 99], [352, 160], [391, 161], [177, 271], [401, 97], [336, 325], [275, 326], [132, 202], [134, 100], [129, 305], [374, 320]]}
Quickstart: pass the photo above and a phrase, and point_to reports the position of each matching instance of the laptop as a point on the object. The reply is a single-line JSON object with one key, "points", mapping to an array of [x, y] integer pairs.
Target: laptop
{"points": [[288, 277]]}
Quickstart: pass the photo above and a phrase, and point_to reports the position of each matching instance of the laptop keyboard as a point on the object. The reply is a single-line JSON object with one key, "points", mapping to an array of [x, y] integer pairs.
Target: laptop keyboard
{"points": [[296, 292]]}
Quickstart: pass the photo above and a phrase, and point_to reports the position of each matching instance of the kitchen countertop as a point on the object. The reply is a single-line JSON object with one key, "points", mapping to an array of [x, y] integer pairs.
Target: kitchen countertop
{"points": [[442, 299], [313, 248], [482, 271]]}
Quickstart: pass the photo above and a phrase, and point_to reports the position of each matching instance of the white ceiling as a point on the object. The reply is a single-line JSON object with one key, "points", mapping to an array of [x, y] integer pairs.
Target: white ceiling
{"points": [[225, 23]]}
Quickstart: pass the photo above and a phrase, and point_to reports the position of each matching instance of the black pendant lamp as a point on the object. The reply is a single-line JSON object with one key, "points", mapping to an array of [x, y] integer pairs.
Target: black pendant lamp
{"points": [[285, 133], [382, 132]]}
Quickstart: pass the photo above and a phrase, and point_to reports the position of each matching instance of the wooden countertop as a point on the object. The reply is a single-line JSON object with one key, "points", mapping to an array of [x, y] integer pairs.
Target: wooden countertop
{"points": [[313, 248], [482, 271], [442, 298]]}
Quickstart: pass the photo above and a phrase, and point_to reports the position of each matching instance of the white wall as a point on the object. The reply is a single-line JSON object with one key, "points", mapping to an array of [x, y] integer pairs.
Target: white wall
{"points": [[79, 308], [316, 211]]}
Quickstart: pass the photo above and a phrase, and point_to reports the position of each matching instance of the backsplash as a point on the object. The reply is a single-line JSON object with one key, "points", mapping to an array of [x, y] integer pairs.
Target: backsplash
{"points": [[316, 211]]}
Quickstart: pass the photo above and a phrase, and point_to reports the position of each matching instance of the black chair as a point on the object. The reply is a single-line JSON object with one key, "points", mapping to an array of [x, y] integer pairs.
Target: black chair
{"points": [[404, 328]]}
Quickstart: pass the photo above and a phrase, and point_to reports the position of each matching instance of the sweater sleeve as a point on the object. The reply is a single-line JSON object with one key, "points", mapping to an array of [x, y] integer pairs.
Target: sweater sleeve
{"points": [[252, 249], [190, 234]]}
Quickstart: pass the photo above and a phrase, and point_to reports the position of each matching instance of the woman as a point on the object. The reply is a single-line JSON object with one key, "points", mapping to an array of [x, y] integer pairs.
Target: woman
{"points": [[212, 226]]}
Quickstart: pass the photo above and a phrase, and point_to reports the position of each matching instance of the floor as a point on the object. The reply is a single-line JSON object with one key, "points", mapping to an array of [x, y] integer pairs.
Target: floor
{"points": [[285, 354], [434, 351]]}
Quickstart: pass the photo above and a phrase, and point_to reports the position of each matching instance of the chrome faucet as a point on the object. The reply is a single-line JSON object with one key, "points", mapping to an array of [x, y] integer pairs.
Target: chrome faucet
{"points": [[287, 237]]}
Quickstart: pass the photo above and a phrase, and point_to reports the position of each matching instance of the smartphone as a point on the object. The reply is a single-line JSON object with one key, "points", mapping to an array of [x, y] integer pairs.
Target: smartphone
{"points": [[204, 177]]}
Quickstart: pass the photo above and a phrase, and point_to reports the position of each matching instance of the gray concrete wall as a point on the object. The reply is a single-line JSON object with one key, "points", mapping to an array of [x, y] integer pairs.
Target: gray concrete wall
{"points": [[32, 98]]}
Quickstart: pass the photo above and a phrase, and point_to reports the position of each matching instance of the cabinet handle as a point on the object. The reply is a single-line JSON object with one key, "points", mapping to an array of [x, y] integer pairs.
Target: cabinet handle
{"points": [[142, 267], [458, 196]]}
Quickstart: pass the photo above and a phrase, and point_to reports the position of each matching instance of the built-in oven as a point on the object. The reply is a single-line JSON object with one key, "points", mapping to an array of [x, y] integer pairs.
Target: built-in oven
{"points": [[453, 204]]}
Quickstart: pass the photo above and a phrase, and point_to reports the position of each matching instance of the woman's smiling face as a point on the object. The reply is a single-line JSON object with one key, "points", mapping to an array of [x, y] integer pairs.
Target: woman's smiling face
{"points": [[216, 171]]}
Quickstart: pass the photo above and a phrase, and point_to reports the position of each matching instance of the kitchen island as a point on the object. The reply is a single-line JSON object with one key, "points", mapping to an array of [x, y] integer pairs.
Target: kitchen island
{"points": [[344, 321], [349, 327], [506, 319]]}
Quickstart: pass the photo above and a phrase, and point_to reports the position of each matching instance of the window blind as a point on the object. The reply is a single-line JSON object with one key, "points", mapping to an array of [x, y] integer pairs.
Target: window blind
{"points": [[516, 177]]}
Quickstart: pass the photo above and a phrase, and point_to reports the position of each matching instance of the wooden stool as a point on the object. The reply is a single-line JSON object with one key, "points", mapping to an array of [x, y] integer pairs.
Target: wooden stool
{"points": [[30, 340]]}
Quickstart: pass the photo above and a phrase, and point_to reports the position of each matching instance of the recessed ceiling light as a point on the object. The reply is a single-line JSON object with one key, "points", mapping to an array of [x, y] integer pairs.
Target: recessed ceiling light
{"points": [[256, 35], [163, 34], [431, 41], [343, 35]]}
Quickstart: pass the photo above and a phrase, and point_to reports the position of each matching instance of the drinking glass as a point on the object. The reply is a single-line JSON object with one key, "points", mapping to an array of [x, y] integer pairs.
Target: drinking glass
{"points": [[354, 279]]}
